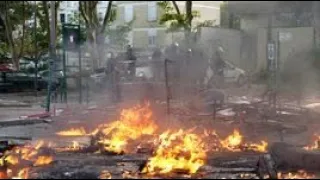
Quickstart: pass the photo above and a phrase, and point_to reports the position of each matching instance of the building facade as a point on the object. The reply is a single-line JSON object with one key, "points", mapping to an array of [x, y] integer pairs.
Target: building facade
{"points": [[146, 31]]}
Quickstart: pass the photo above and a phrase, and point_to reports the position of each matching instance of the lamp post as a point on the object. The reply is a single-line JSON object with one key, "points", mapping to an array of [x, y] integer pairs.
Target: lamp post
{"points": [[52, 50], [35, 48]]}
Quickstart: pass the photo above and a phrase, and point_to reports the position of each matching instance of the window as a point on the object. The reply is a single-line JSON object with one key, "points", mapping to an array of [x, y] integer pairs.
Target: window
{"points": [[62, 18], [100, 16], [152, 11], [152, 34], [69, 3], [69, 18], [128, 13]]}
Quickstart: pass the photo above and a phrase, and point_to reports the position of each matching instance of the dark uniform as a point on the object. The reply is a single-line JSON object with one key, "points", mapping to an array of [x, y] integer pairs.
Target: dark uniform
{"points": [[157, 63], [173, 55], [131, 57], [219, 65], [113, 76]]}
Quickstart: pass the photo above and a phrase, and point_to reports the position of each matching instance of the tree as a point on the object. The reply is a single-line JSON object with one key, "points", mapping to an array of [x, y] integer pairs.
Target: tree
{"points": [[175, 18], [227, 18], [96, 29], [118, 36], [19, 35], [43, 30], [14, 14]]}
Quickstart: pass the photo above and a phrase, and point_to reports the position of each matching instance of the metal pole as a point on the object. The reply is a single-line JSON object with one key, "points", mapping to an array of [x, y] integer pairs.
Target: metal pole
{"points": [[64, 65], [80, 64], [167, 85], [87, 90], [80, 67], [52, 50], [35, 49], [269, 61]]}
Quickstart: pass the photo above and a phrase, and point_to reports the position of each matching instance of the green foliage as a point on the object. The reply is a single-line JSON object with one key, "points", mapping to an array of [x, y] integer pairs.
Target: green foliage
{"points": [[175, 21], [207, 23], [118, 36]]}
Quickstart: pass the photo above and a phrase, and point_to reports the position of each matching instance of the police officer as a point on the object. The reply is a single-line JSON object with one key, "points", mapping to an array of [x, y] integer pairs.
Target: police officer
{"points": [[219, 65], [131, 57], [157, 63], [113, 76]]}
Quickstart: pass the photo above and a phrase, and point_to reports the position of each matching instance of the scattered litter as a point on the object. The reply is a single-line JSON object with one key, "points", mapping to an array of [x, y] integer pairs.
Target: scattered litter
{"points": [[226, 112]]}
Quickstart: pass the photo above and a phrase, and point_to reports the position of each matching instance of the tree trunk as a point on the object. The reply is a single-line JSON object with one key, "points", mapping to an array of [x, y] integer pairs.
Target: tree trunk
{"points": [[189, 18], [46, 15], [23, 31], [176, 7], [8, 25], [106, 17]]}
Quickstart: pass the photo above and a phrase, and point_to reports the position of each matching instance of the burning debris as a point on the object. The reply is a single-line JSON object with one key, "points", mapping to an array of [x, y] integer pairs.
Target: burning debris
{"points": [[133, 124], [75, 146], [315, 145], [301, 174], [233, 143], [73, 132], [105, 175], [180, 151], [17, 162]]}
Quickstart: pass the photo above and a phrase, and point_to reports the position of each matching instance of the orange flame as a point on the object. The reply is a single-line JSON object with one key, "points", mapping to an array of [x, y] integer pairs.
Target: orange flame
{"points": [[16, 156], [259, 147], [233, 141], [22, 174], [299, 175], [105, 175], [133, 123], [3, 175], [177, 151], [73, 132], [315, 145], [43, 160]]}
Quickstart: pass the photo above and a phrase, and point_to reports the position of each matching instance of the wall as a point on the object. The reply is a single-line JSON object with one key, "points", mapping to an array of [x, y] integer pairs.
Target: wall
{"points": [[231, 40], [292, 41]]}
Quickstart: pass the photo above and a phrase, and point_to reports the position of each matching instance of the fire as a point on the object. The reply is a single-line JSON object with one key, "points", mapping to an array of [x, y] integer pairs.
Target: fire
{"points": [[259, 147], [299, 175], [22, 174], [105, 175], [233, 141], [43, 160], [75, 146], [73, 132], [315, 146], [3, 175], [17, 156], [133, 123], [179, 151]]}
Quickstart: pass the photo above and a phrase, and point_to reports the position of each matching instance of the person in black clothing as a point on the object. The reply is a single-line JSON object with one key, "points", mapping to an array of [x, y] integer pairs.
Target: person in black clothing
{"points": [[219, 66], [157, 63], [131, 57], [113, 76]]}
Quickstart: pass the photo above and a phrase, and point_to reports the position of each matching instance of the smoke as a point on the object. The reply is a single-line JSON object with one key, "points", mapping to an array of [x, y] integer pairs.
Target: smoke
{"points": [[299, 74]]}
